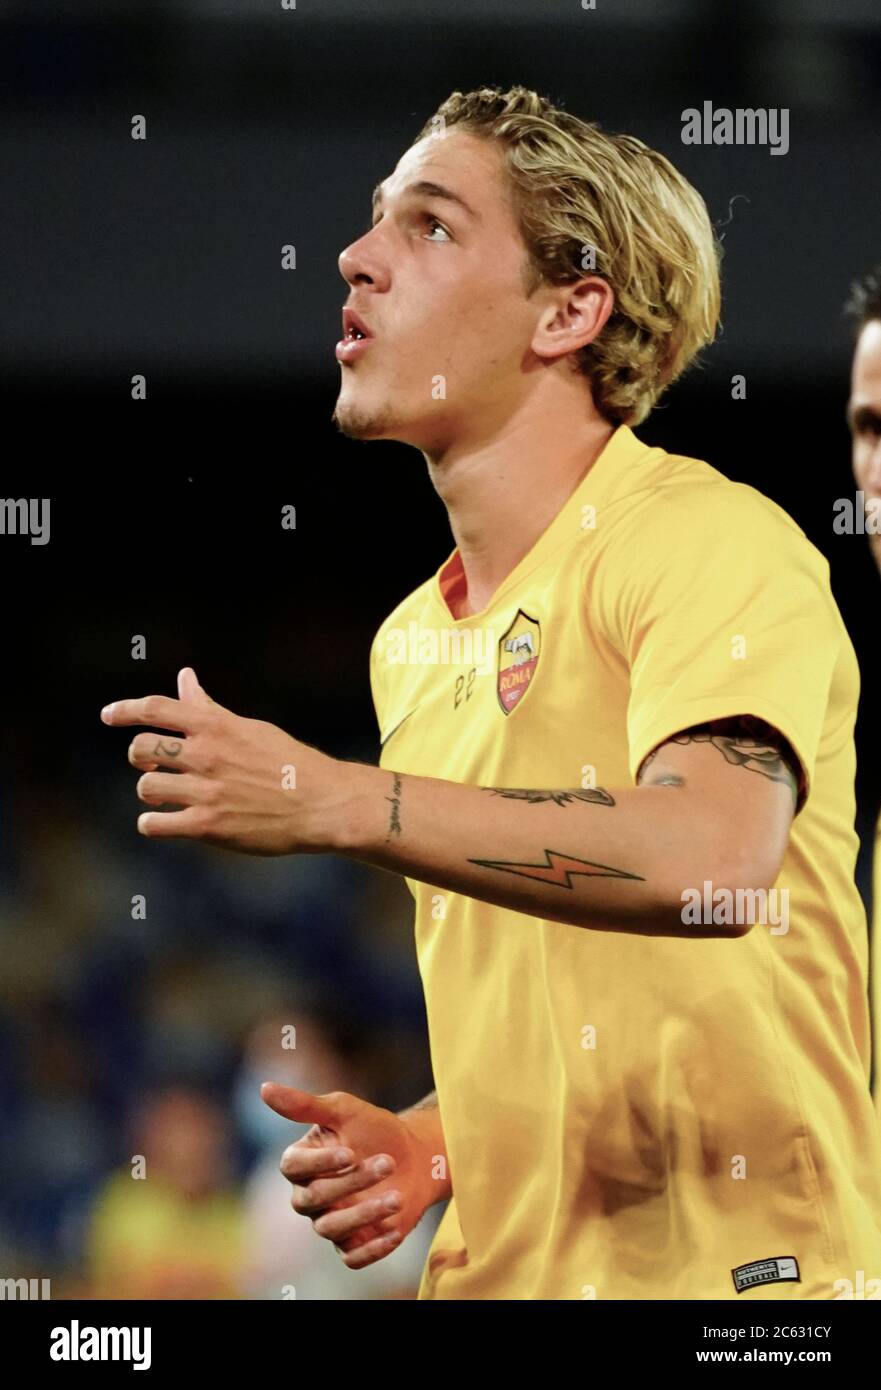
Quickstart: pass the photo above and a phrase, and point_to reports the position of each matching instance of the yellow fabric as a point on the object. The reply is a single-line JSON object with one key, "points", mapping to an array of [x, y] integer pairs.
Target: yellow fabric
{"points": [[876, 968], [612, 1170]]}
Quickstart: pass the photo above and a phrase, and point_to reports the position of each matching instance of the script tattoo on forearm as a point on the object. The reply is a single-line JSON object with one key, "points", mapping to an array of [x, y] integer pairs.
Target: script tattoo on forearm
{"points": [[743, 741], [167, 750], [534, 795], [394, 823], [558, 868]]}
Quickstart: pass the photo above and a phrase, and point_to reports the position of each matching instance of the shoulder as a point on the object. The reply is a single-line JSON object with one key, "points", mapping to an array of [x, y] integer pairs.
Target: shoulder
{"points": [[678, 504]]}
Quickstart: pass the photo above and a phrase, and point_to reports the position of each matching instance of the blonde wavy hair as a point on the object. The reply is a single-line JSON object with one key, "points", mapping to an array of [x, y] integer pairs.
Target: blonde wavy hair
{"points": [[573, 188]]}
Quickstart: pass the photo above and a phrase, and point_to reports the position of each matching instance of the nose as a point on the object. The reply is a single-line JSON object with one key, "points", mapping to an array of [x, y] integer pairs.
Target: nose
{"points": [[361, 263]]}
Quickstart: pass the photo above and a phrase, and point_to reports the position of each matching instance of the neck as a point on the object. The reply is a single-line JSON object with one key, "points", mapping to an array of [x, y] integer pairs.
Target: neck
{"points": [[501, 493]]}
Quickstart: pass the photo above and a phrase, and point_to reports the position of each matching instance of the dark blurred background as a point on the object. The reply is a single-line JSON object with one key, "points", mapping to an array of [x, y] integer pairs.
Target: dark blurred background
{"points": [[265, 127]]}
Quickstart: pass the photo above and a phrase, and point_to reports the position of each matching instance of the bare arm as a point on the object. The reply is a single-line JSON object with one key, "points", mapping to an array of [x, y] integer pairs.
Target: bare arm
{"points": [[715, 803]]}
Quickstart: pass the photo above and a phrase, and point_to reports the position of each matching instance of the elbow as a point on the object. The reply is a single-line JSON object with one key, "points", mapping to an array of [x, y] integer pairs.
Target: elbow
{"points": [[720, 897]]}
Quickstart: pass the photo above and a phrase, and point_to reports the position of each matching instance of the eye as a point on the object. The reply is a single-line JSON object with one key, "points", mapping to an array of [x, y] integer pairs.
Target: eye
{"points": [[425, 217], [867, 422], [433, 222]]}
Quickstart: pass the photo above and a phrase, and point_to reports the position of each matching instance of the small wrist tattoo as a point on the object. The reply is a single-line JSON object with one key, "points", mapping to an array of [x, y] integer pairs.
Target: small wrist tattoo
{"points": [[394, 824]]}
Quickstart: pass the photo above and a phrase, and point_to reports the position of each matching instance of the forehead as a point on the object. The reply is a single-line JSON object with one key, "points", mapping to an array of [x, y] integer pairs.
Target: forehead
{"points": [[867, 361], [464, 163]]}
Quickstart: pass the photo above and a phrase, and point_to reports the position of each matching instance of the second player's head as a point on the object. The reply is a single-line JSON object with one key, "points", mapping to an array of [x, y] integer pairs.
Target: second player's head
{"points": [[517, 253], [864, 405]]}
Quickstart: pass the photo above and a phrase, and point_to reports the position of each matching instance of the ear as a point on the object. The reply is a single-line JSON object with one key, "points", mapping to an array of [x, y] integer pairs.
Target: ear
{"points": [[188, 687], [576, 315]]}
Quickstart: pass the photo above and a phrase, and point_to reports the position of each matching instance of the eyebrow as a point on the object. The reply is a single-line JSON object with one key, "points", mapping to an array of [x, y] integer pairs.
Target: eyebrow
{"points": [[423, 188]]}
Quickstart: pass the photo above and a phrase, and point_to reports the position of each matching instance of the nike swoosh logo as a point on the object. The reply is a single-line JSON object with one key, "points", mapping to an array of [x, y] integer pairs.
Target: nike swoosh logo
{"points": [[393, 731]]}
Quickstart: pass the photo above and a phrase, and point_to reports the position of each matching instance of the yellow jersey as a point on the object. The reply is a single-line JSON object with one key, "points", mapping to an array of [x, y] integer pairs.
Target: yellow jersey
{"points": [[627, 1116], [876, 968], [875, 974]]}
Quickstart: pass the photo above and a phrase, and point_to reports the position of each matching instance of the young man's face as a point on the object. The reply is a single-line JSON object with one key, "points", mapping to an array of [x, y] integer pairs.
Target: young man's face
{"points": [[864, 410], [440, 287]]}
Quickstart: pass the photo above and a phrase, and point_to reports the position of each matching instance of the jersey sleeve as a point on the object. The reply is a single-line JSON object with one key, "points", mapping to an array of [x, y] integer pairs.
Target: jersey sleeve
{"points": [[725, 608], [874, 975], [376, 681]]}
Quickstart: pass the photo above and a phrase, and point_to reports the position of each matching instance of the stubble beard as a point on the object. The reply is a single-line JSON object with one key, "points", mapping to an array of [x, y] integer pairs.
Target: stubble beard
{"points": [[359, 422]]}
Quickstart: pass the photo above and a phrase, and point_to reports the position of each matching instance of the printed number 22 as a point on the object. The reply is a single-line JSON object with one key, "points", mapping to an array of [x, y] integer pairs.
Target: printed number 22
{"points": [[465, 683]]}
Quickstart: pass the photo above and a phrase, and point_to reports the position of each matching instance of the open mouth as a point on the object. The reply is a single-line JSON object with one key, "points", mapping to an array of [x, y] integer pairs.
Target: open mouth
{"points": [[356, 337], [354, 327]]}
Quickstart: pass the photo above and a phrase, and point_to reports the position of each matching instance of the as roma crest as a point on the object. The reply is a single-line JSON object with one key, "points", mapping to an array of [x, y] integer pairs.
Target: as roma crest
{"points": [[518, 658]]}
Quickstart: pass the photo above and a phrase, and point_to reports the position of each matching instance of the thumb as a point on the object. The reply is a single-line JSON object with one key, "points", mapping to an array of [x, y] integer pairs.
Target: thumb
{"points": [[301, 1105], [188, 687]]}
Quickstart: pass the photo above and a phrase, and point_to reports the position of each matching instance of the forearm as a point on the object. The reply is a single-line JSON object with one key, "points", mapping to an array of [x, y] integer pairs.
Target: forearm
{"points": [[589, 858], [423, 1119]]}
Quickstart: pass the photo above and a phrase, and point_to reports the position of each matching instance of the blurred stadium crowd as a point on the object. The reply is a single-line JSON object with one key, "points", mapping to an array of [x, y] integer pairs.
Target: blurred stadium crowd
{"points": [[144, 989], [138, 1159]]}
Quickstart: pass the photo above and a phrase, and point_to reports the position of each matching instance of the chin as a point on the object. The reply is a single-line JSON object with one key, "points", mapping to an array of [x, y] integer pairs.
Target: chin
{"points": [[362, 421]]}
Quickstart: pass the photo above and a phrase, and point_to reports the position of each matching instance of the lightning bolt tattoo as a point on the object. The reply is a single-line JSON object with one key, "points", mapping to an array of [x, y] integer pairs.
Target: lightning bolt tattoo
{"points": [[558, 868]]}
